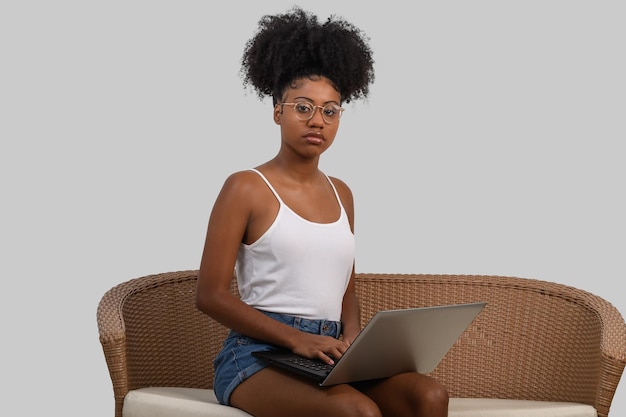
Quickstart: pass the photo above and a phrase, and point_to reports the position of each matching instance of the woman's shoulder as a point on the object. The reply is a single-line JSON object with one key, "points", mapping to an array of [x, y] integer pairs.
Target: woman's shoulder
{"points": [[344, 192], [244, 177], [242, 182], [340, 185]]}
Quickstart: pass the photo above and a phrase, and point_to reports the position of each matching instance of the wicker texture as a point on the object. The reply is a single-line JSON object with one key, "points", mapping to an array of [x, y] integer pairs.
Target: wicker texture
{"points": [[534, 340]]}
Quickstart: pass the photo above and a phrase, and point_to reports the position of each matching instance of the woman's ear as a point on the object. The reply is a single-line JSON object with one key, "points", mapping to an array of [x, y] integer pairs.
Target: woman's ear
{"points": [[277, 113]]}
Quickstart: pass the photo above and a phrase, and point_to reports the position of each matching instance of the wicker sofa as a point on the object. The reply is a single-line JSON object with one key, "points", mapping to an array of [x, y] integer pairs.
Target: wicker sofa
{"points": [[537, 349]]}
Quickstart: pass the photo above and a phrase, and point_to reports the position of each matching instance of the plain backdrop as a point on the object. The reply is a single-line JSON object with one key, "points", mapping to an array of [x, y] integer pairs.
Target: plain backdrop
{"points": [[492, 143]]}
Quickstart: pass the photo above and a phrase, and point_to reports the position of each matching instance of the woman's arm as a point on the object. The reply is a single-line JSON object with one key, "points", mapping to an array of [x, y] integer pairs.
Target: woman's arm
{"points": [[350, 309], [350, 313]]}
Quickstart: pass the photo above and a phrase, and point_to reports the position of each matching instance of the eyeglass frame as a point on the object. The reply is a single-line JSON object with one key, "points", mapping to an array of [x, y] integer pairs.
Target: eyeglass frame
{"points": [[315, 107]]}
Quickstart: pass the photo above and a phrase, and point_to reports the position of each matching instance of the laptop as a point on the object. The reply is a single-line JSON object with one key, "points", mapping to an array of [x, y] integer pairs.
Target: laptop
{"points": [[392, 342]]}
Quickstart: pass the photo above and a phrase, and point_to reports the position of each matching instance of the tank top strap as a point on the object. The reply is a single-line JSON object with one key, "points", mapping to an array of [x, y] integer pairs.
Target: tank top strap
{"points": [[269, 185], [335, 190]]}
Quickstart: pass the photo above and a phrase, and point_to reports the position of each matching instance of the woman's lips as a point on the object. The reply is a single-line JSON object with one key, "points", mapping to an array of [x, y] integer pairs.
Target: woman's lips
{"points": [[314, 138]]}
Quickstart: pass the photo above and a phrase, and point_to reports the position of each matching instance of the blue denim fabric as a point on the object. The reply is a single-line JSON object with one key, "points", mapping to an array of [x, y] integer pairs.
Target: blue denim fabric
{"points": [[235, 363]]}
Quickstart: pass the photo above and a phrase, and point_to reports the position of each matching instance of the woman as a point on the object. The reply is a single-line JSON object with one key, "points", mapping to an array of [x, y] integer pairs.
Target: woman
{"points": [[288, 229]]}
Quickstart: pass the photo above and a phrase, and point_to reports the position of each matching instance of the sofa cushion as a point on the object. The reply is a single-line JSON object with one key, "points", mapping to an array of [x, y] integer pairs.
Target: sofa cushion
{"points": [[175, 401], [491, 407], [195, 402]]}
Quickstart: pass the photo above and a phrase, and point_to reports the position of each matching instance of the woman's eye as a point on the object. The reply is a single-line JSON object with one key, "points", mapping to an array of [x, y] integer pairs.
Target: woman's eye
{"points": [[303, 108]]}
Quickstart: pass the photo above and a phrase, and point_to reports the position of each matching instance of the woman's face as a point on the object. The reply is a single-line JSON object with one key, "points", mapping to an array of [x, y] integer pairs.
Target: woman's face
{"points": [[310, 137]]}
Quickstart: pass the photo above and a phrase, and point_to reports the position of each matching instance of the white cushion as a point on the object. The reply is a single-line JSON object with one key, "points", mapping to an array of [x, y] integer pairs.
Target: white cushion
{"points": [[195, 402], [180, 402], [491, 407]]}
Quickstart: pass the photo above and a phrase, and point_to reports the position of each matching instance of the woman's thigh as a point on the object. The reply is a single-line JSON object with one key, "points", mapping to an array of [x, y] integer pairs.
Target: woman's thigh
{"points": [[272, 392]]}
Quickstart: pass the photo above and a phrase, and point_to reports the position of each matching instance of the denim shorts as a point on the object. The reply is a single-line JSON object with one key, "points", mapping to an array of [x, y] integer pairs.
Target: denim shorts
{"points": [[235, 363]]}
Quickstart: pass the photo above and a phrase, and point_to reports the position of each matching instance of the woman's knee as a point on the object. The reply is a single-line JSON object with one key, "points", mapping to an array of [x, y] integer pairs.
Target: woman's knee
{"points": [[428, 393], [345, 401], [437, 394], [362, 407]]}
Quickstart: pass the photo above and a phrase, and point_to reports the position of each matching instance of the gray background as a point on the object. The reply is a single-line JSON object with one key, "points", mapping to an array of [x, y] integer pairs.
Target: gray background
{"points": [[491, 144]]}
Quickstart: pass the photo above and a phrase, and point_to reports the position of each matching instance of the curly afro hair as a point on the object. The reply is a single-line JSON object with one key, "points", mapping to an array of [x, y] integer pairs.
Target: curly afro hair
{"points": [[294, 45]]}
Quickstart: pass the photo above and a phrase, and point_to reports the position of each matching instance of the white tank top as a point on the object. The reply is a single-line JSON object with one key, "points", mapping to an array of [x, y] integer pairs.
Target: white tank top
{"points": [[298, 267]]}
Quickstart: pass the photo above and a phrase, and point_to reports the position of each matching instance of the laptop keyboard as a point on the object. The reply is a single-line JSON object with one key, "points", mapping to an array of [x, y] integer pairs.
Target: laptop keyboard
{"points": [[314, 364]]}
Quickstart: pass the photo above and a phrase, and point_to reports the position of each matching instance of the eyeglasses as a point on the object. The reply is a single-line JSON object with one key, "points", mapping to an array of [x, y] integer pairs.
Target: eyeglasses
{"points": [[331, 113]]}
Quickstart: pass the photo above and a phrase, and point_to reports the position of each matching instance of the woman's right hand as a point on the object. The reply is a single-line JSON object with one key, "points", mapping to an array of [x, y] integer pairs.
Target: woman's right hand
{"points": [[325, 348]]}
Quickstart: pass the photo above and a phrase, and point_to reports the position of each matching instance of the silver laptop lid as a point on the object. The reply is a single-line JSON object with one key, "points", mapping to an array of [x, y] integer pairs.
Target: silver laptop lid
{"points": [[396, 341]]}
